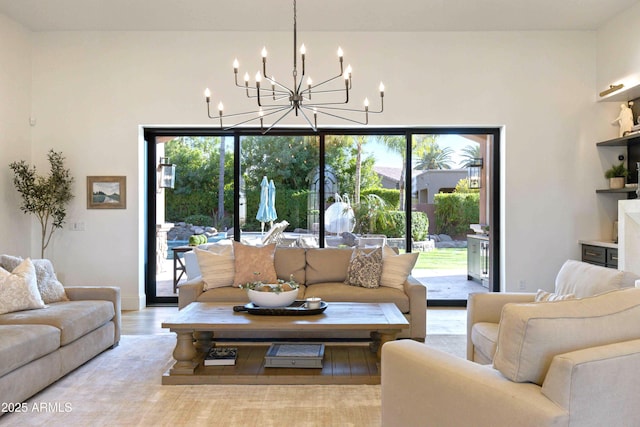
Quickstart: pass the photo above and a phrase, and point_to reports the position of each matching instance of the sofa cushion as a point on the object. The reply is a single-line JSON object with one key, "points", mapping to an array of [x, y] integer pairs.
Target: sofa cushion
{"points": [[253, 264], [396, 267], [217, 268], [73, 318], [51, 290], [365, 268], [290, 261], [18, 289], [21, 344], [584, 280], [327, 265], [530, 335], [339, 292], [484, 336], [233, 295]]}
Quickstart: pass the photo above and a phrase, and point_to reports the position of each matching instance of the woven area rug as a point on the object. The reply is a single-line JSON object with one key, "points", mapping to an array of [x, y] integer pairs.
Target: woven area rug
{"points": [[122, 387]]}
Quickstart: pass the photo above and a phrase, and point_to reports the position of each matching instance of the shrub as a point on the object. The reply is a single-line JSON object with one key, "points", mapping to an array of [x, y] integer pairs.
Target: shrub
{"points": [[203, 220], [454, 212]]}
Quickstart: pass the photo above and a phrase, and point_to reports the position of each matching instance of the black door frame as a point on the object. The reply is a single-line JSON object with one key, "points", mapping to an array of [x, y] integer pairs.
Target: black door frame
{"points": [[151, 133]]}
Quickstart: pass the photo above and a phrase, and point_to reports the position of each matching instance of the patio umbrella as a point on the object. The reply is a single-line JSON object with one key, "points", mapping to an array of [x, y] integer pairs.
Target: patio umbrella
{"points": [[263, 213], [271, 203]]}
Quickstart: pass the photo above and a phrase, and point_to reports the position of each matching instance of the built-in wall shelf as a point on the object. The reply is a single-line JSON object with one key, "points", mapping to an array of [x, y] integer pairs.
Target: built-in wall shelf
{"points": [[619, 142], [617, 190]]}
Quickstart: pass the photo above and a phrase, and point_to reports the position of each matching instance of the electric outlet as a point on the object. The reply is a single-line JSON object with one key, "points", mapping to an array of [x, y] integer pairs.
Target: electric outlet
{"points": [[522, 285], [77, 226]]}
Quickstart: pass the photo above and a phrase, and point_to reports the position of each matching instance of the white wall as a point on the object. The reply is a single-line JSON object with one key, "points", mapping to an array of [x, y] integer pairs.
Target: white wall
{"points": [[15, 108], [618, 51], [92, 90]]}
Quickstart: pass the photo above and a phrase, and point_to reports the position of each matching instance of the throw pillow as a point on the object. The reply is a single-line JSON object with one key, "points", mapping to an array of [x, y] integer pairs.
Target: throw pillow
{"points": [[18, 289], [544, 296], [365, 268], [51, 290], [217, 268], [254, 263], [396, 267]]}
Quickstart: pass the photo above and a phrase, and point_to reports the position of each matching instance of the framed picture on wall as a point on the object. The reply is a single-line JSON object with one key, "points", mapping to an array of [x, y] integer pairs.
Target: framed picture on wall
{"points": [[106, 192]]}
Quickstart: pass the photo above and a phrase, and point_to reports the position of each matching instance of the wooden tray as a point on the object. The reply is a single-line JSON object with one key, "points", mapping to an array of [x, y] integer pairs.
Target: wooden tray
{"points": [[297, 308]]}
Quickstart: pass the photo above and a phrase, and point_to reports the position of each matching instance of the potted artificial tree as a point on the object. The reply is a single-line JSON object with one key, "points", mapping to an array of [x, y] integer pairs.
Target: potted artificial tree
{"points": [[45, 197], [616, 175]]}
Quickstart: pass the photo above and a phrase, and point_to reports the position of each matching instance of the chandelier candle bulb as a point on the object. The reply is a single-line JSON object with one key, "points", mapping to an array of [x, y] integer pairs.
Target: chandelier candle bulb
{"points": [[303, 52], [207, 95], [236, 65]]}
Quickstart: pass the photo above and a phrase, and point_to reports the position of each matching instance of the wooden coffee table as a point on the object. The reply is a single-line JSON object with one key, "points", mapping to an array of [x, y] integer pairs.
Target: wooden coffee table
{"points": [[197, 324]]}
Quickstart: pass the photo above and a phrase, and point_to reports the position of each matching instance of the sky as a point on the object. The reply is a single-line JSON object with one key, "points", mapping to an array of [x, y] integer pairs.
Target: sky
{"points": [[384, 157]]}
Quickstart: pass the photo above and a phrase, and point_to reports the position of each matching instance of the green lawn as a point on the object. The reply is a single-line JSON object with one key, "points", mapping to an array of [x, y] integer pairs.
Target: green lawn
{"points": [[446, 258]]}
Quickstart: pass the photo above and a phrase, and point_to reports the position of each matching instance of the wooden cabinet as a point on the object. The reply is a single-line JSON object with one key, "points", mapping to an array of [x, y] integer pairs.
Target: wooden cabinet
{"points": [[600, 255], [478, 259]]}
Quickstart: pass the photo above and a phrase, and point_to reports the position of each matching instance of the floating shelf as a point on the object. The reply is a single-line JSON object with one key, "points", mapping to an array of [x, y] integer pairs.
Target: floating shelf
{"points": [[617, 190], [619, 142]]}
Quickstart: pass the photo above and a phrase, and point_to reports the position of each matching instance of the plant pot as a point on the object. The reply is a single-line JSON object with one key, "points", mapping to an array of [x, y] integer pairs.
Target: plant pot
{"points": [[616, 182]]}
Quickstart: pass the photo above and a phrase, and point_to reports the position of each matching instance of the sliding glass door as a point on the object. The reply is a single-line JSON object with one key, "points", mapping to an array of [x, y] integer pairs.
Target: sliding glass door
{"points": [[406, 188]]}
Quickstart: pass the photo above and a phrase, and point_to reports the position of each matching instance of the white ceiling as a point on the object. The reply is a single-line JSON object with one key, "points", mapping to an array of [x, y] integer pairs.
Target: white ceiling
{"points": [[316, 15]]}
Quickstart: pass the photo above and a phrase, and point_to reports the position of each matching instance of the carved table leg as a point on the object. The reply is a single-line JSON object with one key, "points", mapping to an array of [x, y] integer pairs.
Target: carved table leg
{"points": [[184, 353], [204, 341]]}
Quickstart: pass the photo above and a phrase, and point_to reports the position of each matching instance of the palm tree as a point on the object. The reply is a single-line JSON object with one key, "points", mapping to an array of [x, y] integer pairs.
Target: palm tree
{"points": [[432, 156], [470, 152], [398, 144]]}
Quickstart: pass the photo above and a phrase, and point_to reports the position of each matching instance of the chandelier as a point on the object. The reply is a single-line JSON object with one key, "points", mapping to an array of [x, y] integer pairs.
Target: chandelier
{"points": [[304, 98]]}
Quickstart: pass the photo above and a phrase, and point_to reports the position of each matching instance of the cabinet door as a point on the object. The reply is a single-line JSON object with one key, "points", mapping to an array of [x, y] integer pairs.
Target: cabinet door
{"points": [[594, 254], [474, 264]]}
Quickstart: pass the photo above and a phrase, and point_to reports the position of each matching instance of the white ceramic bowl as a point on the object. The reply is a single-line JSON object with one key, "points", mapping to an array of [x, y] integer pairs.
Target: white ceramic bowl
{"points": [[272, 299]]}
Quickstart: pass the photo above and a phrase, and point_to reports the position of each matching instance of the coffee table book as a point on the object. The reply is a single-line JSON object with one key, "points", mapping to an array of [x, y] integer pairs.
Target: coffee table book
{"points": [[294, 355], [219, 356]]}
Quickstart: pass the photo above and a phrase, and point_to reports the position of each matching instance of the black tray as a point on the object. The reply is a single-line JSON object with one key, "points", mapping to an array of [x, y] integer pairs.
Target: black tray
{"points": [[297, 308]]}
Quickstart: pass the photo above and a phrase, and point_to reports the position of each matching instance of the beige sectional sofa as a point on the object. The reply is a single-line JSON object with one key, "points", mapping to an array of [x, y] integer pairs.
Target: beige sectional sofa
{"points": [[40, 346], [322, 273]]}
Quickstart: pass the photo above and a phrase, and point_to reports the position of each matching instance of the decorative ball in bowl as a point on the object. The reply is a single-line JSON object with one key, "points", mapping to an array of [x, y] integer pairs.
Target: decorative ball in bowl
{"points": [[267, 296]]}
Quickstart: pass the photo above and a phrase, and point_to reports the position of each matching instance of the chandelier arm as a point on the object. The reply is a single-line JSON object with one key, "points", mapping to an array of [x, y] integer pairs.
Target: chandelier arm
{"points": [[313, 126], [342, 117], [316, 85], [277, 121], [351, 110], [269, 109], [283, 87], [253, 118]]}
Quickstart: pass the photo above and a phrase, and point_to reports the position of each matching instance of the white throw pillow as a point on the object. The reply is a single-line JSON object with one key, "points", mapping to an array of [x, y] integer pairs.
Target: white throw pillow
{"points": [[544, 296], [217, 268], [51, 290], [19, 289], [585, 280], [396, 268]]}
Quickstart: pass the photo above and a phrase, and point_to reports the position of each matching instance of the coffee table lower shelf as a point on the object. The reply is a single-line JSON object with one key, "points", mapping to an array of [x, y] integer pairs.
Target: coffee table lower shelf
{"points": [[342, 364]]}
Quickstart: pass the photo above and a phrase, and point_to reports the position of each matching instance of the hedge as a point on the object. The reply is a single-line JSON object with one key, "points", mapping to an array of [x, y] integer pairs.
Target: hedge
{"points": [[455, 211]]}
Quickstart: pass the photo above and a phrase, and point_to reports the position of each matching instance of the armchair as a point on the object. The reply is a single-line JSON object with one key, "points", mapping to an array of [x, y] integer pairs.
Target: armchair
{"points": [[563, 363], [574, 277]]}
